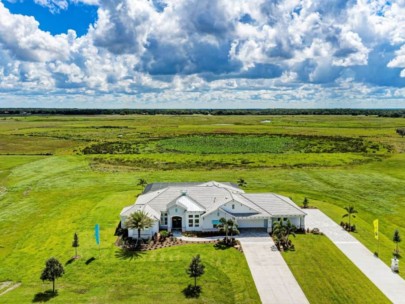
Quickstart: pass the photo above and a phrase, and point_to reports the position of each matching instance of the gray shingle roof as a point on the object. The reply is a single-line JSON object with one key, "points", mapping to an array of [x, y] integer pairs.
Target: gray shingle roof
{"points": [[159, 186], [275, 204], [211, 196]]}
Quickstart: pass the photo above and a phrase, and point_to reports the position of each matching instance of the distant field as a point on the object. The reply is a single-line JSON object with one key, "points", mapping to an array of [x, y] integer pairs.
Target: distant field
{"points": [[46, 197]]}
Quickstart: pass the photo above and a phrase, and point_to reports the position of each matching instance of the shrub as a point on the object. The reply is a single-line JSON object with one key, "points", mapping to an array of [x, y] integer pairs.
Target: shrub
{"points": [[163, 235]]}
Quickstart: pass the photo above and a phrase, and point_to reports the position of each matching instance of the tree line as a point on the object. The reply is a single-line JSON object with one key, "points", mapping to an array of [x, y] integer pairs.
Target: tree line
{"points": [[394, 113]]}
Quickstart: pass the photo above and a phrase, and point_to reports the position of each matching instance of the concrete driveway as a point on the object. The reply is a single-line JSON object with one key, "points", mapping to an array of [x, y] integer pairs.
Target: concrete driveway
{"points": [[274, 280], [391, 284]]}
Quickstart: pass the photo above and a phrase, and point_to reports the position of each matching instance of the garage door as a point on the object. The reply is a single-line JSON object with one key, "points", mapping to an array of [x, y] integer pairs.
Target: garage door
{"points": [[252, 224]]}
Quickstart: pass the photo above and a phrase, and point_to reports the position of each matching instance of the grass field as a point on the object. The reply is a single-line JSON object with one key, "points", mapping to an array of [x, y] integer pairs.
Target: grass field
{"points": [[45, 198], [326, 276]]}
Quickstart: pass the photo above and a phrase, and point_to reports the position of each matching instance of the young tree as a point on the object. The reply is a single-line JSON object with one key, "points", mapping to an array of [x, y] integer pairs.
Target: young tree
{"points": [[75, 243], [53, 270], [139, 220], [242, 182], [305, 202], [196, 269], [397, 239], [350, 213]]}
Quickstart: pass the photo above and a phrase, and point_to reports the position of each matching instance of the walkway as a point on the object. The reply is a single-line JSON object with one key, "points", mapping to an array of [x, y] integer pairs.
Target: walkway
{"points": [[274, 281], [391, 284]]}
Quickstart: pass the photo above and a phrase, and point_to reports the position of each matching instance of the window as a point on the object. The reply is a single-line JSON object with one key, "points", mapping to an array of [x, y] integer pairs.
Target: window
{"points": [[233, 206], [285, 219], [193, 220], [163, 219], [218, 213]]}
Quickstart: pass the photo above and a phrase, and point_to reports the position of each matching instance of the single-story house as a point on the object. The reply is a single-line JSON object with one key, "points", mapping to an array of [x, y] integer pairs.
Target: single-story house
{"points": [[199, 206]]}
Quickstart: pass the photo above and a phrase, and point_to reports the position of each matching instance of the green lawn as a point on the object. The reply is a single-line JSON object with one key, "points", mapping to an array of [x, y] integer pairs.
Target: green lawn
{"points": [[326, 275], [45, 199], [152, 277]]}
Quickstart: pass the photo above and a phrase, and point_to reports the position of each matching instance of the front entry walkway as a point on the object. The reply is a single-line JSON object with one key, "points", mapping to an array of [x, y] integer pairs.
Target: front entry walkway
{"points": [[391, 284], [274, 281]]}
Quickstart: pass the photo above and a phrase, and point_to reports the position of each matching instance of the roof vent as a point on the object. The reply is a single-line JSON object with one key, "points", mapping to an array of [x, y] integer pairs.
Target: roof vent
{"points": [[183, 192]]}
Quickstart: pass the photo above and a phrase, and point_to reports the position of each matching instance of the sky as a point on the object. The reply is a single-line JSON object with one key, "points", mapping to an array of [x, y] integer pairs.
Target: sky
{"points": [[202, 53]]}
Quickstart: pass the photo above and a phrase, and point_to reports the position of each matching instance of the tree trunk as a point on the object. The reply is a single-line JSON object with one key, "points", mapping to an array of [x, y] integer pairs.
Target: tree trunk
{"points": [[53, 285], [195, 281], [76, 252]]}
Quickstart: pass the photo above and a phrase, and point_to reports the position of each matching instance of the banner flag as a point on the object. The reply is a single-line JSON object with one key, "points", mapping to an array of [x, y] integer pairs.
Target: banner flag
{"points": [[375, 222], [97, 233]]}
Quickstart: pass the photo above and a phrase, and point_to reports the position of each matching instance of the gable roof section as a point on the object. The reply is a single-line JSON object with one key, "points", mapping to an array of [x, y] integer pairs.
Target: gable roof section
{"points": [[187, 203], [145, 208], [274, 204]]}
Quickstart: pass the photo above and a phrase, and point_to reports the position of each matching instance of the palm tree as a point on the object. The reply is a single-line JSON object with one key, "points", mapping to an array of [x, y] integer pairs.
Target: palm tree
{"points": [[350, 213], [139, 220], [283, 231], [232, 227], [224, 227], [242, 182], [279, 230], [142, 182]]}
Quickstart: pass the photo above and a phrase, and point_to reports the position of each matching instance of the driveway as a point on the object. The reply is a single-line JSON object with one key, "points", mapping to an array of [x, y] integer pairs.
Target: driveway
{"points": [[274, 281], [390, 283]]}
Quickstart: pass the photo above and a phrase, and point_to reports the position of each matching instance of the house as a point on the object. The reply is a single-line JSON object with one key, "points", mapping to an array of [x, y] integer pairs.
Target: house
{"points": [[199, 206]]}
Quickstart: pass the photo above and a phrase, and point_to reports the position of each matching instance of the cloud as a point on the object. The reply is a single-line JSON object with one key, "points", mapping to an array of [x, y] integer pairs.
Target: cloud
{"points": [[189, 50]]}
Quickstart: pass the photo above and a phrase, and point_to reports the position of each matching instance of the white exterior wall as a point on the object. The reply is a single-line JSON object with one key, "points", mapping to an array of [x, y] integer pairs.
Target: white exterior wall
{"points": [[253, 223], [176, 211], [239, 208], [207, 223], [123, 220], [297, 221], [146, 233]]}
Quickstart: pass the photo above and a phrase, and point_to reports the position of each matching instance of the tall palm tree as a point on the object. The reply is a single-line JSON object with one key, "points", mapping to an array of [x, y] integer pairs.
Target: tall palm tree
{"points": [[139, 220], [232, 227], [350, 213], [224, 227]]}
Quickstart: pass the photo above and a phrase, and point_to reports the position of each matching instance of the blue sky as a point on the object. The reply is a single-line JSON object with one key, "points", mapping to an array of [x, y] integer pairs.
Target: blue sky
{"points": [[202, 53]]}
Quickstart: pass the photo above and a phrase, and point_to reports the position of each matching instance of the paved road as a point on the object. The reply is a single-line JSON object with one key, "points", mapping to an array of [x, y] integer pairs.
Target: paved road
{"points": [[274, 280], [390, 283]]}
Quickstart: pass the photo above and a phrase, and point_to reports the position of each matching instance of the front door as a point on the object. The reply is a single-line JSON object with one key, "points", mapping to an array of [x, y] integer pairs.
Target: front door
{"points": [[176, 222]]}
